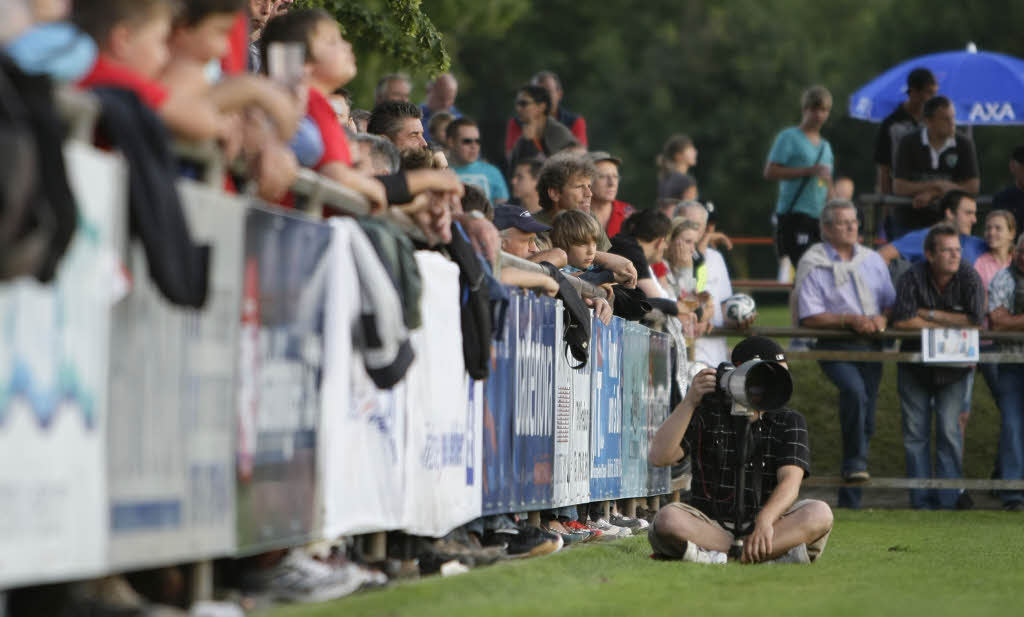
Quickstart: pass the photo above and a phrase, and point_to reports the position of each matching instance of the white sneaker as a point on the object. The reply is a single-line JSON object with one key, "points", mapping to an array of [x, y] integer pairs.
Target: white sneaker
{"points": [[611, 531], [697, 554], [300, 578], [797, 554]]}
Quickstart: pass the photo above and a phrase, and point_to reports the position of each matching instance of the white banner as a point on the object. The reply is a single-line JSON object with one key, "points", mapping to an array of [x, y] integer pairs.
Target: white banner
{"points": [[362, 461], [172, 402], [443, 487], [572, 424], [53, 391]]}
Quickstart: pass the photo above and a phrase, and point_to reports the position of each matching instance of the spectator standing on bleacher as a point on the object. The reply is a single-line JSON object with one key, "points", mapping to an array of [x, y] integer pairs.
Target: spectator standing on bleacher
{"points": [[1000, 231], [609, 211], [540, 134], [394, 87], [904, 120], [1012, 197], [959, 210], [524, 184], [441, 93], [842, 285], [931, 162], [801, 161], [677, 156], [576, 124], [943, 292], [463, 140], [1006, 312]]}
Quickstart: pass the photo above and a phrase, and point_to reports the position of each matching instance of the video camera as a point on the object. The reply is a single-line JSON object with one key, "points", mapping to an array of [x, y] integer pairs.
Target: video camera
{"points": [[755, 385]]}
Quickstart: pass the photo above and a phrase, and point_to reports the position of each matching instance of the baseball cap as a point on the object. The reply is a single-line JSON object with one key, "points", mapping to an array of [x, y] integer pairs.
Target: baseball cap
{"points": [[600, 155], [506, 216], [757, 346]]}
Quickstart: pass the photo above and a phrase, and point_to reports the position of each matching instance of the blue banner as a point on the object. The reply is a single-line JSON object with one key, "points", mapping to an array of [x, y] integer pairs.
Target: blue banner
{"points": [[499, 487], [284, 294], [535, 402], [635, 381], [659, 479], [606, 410]]}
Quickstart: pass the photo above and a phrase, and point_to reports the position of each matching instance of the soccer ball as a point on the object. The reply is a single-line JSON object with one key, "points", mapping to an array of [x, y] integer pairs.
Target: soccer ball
{"points": [[739, 307]]}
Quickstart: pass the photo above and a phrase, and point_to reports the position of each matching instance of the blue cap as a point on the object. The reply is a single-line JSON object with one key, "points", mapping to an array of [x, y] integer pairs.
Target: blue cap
{"points": [[506, 216]]}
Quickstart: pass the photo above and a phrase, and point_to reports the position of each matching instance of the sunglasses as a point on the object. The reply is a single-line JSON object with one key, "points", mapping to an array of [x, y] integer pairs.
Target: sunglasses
{"points": [[468, 141], [523, 103]]}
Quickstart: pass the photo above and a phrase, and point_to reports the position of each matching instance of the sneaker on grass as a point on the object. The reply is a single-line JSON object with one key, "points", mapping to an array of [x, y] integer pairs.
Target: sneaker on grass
{"points": [[797, 554], [609, 530], [634, 524], [696, 554], [300, 578], [579, 527], [525, 541], [568, 534]]}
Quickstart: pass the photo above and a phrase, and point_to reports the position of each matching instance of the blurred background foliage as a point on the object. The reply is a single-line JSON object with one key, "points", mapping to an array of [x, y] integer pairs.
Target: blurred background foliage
{"points": [[729, 74]]}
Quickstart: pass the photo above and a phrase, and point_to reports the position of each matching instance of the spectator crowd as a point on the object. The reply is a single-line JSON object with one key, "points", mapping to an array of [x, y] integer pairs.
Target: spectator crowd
{"points": [[267, 83]]}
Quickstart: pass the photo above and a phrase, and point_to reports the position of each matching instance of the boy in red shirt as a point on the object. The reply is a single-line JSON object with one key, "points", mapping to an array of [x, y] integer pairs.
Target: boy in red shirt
{"points": [[330, 64]]}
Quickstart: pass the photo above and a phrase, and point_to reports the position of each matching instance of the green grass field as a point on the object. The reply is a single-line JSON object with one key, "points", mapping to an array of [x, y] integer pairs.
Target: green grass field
{"points": [[877, 563]]}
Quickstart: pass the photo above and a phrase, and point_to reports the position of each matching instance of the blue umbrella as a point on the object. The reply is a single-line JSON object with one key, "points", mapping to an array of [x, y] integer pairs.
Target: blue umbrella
{"points": [[986, 88]]}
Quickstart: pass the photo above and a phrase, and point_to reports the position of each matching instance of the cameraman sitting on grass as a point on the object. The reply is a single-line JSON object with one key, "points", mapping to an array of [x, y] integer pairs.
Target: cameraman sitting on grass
{"points": [[778, 458]]}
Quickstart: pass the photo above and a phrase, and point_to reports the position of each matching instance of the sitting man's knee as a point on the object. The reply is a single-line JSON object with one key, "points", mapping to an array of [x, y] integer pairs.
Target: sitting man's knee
{"points": [[819, 515]]}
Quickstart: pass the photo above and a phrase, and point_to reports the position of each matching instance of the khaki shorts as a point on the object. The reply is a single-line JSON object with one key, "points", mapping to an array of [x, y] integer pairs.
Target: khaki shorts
{"points": [[814, 549]]}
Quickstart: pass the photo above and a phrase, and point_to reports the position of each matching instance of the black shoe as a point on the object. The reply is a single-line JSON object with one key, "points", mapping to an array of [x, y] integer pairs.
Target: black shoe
{"points": [[527, 541], [964, 501]]}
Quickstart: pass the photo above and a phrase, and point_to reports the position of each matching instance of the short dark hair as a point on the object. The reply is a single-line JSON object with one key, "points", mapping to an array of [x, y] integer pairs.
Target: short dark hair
{"points": [[934, 104], [533, 164], [97, 18], [452, 131], [557, 171], [345, 94], [647, 225], [938, 229], [191, 12], [951, 200], [475, 199], [539, 94], [920, 78], [293, 27], [1018, 154], [386, 118]]}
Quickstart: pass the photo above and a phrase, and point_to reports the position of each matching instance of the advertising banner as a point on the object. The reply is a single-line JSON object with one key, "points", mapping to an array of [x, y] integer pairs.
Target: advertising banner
{"points": [[635, 382], [572, 425], [445, 412], [53, 391], [281, 354], [658, 392], [362, 432], [535, 402], [606, 410], [499, 486], [172, 400]]}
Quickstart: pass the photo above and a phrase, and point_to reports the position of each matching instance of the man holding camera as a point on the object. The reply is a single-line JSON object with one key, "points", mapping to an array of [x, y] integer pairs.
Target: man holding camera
{"points": [[778, 458]]}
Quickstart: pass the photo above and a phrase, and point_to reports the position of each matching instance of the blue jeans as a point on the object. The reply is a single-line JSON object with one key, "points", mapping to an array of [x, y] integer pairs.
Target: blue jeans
{"points": [[858, 392], [920, 399], [1011, 429]]}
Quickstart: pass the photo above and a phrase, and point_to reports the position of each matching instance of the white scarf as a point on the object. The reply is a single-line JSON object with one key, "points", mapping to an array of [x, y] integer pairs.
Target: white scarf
{"points": [[842, 271]]}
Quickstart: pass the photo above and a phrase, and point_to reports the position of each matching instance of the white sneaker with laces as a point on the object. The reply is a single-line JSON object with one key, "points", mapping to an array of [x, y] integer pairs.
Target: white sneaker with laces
{"points": [[697, 554], [611, 531]]}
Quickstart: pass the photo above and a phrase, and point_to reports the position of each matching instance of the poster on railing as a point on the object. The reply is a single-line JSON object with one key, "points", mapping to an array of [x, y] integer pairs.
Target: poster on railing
{"points": [[362, 432], [658, 391], [535, 402], [53, 392], [281, 355], [635, 383], [172, 400], [606, 410], [571, 471], [499, 486], [445, 412]]}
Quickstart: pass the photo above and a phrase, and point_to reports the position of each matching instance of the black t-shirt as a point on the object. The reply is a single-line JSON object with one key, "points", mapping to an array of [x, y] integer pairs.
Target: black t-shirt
{"points": [[1011, 198], [957, 163], [628, 247], [894, 128], [777, 438]]}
